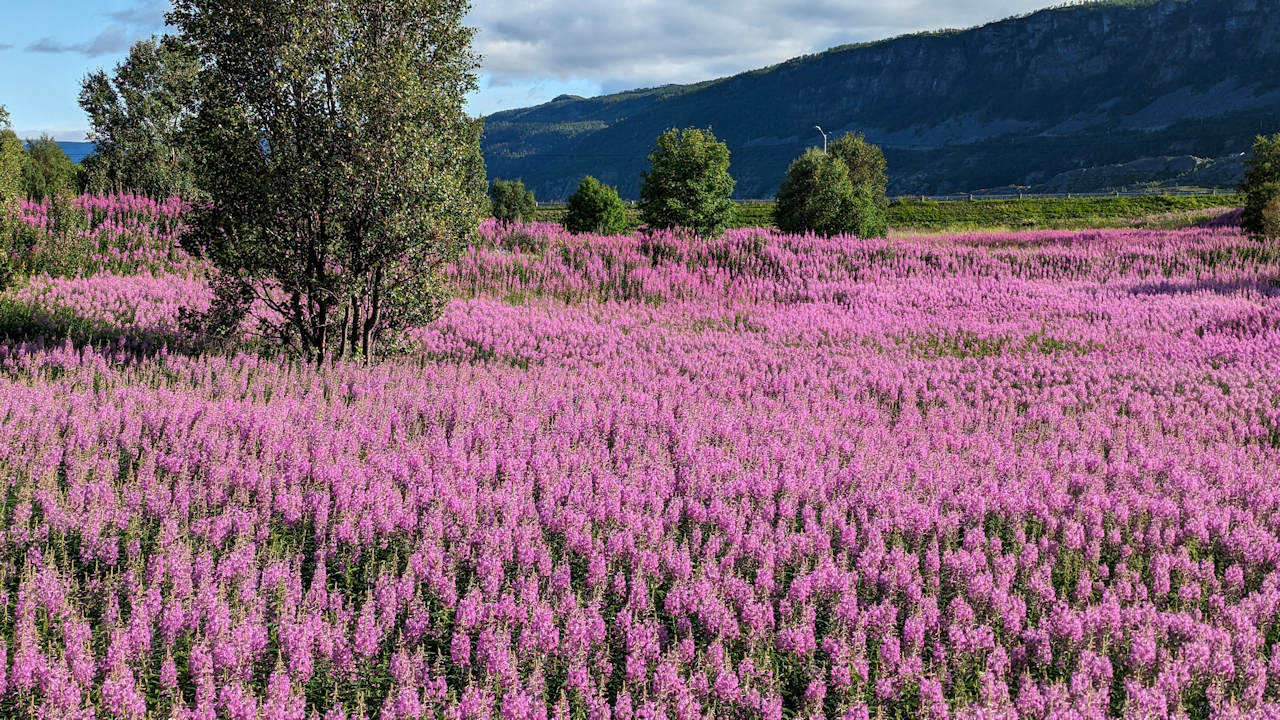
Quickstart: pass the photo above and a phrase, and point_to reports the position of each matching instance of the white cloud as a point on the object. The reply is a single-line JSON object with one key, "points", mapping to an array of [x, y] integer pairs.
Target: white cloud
{"points": [[133, 23], [633, 43]]}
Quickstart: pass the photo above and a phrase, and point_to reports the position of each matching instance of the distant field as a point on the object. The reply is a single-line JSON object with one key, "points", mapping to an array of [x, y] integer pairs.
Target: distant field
{"points": [[1029, 213]]}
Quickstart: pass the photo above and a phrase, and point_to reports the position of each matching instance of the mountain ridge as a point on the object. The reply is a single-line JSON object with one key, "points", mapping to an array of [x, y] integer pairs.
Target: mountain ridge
{"points": [[1016, 102]]}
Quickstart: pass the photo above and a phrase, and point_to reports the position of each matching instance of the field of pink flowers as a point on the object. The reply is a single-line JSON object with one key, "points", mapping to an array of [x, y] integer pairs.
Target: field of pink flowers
{"points": [[1014, 476]]}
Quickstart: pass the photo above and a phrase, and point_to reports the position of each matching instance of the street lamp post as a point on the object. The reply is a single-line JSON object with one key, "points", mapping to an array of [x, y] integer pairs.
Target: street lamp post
{"points": [[824, 138]]}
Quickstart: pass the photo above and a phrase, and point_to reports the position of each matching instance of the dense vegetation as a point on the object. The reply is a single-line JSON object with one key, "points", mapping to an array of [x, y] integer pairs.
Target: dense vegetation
{"points": [[687, 184], [47, 171], [595, 208], [1262, 188], [510, 201], [1023, 475]]}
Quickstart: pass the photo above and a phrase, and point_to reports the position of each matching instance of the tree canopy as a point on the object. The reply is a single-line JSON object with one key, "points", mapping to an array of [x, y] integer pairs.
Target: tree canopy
{"points": [[595, 207], [138, 120], [688, 184]]}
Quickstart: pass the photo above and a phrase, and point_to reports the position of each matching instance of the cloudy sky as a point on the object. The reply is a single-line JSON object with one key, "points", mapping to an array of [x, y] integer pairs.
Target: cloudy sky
{"points": [[533, 50]]}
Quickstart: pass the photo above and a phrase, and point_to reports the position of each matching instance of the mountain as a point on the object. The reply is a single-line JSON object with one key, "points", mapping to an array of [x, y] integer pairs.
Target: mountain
{"points": [[1033, 101]]}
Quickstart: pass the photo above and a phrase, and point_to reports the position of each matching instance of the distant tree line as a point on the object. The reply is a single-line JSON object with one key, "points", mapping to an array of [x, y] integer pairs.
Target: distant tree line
{"points": [[688, 185]]}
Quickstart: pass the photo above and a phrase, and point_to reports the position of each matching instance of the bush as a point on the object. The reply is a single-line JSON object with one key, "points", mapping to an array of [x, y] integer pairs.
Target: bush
{"points": [[866, 165], [511, 202], [688, 183], [1261, 187], [596, 208], [817, 196], [1271, 217]]}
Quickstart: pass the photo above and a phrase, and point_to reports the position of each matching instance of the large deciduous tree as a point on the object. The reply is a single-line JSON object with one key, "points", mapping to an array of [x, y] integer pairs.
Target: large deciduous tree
{"points": [[138, 118], [340, 168]]}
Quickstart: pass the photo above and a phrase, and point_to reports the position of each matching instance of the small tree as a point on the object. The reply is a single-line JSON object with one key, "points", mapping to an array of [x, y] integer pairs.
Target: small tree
{"points": [[596, 208], [1261, 187], [138, 119], [688, 183], [815, 196], [511, 201], [866, 164], [340, 168], [47, 171]]}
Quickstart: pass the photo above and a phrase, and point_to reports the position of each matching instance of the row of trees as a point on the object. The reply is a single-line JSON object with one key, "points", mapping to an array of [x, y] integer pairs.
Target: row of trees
{"points": [[688, 185]]}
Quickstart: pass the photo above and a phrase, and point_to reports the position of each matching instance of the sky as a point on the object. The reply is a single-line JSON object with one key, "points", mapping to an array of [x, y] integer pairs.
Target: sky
{"points": [[532, 50]]}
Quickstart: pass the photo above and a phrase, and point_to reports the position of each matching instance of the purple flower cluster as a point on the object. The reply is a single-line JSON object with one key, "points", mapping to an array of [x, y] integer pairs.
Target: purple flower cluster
{"points": [[123, 233], [1019, 476]]}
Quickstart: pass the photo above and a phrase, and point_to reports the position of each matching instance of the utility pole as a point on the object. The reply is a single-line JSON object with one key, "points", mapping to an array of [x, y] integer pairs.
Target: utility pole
{"points": [[824, 138]]}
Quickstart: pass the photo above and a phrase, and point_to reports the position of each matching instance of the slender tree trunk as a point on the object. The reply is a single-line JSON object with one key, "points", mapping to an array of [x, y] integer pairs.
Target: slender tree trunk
{"points": [[368, 334]]}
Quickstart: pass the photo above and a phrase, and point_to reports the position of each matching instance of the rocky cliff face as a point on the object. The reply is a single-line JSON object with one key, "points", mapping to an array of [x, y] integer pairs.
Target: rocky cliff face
{"points": [[1018, 102]]}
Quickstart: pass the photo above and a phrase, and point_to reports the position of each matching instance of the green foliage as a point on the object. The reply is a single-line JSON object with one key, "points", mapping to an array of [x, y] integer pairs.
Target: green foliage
{"points": [[511, 202], [10, 164], [596, 208], [1062, 213], [866, 165], [1261, 187], [139, 118], [1271, 215], [688, 184], [819, 196], [816, 196], [47, 171], [341, 170]]}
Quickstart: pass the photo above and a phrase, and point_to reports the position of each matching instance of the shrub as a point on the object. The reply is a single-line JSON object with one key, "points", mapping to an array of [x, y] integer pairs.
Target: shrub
{"points": [[511, 202], [688, 184], [596, 208], [1261, 186], [866, 165], [815, 196], [1271, 216]]}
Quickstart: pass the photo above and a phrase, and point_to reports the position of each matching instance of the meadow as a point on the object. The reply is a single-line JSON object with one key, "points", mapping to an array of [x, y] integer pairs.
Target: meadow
{"points": [[1012, 475], [908, 215]]}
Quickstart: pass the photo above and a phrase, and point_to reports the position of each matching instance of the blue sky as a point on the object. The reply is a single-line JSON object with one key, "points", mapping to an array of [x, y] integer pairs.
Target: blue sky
{"points": [[533, 50]]}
